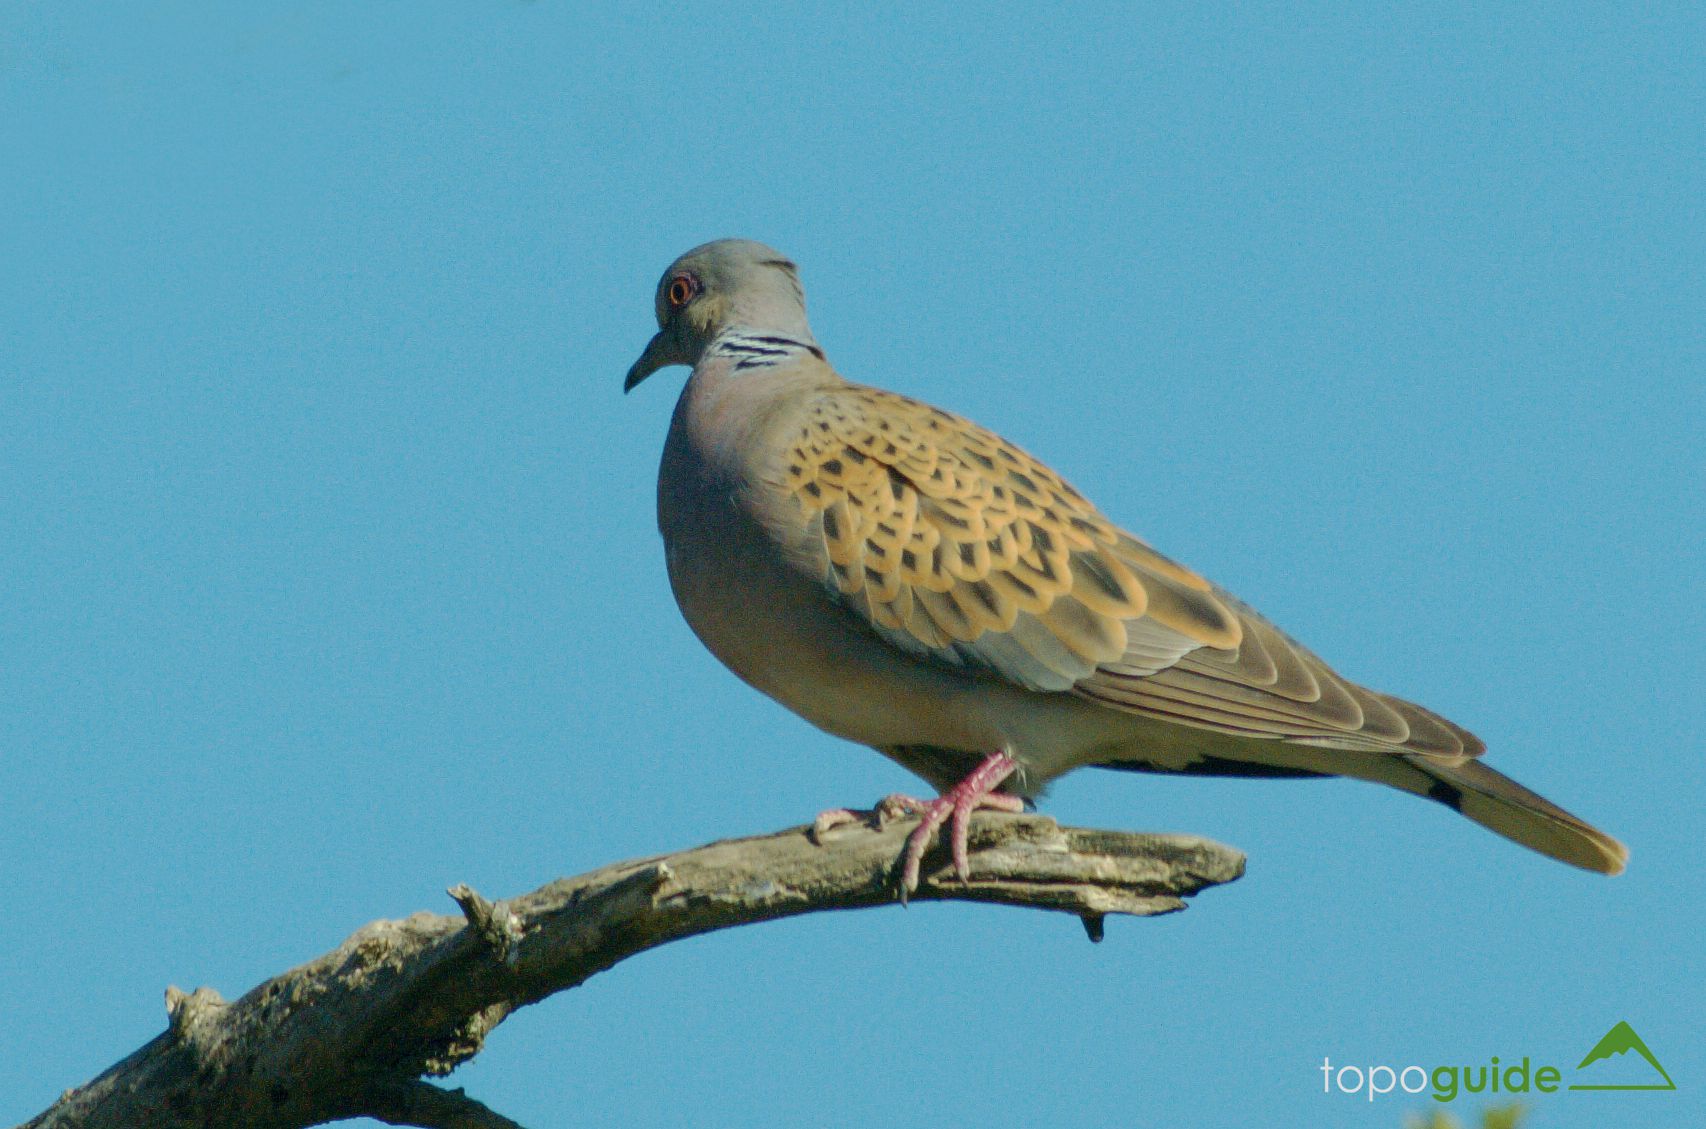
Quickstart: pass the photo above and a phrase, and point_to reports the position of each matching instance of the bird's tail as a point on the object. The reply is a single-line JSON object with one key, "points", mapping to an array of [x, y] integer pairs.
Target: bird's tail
{"points": [[1495, 801]]}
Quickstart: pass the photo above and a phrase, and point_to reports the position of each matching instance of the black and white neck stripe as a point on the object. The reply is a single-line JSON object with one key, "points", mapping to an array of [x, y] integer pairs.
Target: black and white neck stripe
{"points": [[761, 350]]}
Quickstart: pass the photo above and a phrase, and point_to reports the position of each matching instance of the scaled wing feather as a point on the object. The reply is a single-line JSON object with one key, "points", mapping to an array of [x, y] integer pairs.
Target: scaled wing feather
{"points": [[955, 545]]}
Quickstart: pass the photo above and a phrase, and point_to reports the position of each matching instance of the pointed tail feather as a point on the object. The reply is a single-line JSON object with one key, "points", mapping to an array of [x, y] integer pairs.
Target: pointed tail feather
{"points": [[1497, 802]]}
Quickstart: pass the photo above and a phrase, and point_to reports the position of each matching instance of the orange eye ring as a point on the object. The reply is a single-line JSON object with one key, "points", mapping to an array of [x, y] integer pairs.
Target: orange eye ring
{"points": [[681, 290]]}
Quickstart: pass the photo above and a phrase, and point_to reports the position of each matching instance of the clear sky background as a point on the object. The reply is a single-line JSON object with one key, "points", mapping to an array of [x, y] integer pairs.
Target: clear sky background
{"points": [[329, 574]]}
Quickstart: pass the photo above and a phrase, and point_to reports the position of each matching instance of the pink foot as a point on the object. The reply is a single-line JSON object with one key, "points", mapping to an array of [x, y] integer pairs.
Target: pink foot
{"points": [[827, 821], [975, 791]]}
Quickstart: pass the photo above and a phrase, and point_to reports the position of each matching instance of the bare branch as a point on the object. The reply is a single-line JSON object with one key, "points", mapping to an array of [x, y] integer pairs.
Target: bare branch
{"points": [[429, 1107], [352, 1033]]}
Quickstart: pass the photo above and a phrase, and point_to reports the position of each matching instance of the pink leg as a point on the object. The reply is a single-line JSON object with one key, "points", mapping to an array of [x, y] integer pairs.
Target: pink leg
{"points": [[976, 791]]}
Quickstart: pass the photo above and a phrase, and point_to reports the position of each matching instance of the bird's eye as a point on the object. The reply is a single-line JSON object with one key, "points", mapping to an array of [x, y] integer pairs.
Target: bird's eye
{"points": [[681, 289]]}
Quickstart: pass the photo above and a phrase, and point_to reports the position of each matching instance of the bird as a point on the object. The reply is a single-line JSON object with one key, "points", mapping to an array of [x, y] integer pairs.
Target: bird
{"points": [[907, 580]]}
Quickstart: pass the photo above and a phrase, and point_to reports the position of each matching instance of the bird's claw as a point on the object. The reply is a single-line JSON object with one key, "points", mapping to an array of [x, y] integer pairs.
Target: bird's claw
{"points": [[953, 807], [828, 821]]}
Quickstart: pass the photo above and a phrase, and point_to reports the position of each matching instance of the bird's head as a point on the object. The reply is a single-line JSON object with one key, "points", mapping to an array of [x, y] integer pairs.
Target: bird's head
{"points": [[716, 286]]}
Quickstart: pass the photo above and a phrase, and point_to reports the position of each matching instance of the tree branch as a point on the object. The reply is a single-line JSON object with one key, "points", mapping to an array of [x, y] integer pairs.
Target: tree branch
{"points": [[422, 1104], [352, 1033]]}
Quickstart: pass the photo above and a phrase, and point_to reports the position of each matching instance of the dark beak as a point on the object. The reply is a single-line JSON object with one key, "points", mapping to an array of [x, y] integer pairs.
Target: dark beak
{"points": [[655, 357]]}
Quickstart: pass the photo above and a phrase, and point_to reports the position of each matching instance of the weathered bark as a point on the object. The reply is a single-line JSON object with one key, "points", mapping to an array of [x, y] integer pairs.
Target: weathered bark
{"points": [[353, 1033]]}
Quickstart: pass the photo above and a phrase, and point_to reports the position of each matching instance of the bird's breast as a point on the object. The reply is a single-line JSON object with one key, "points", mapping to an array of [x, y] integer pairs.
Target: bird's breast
{"points": [[759, 611]]}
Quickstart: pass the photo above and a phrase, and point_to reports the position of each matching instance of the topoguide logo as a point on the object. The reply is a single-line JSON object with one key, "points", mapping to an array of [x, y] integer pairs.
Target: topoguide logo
{"points": [[1446, 1083]]}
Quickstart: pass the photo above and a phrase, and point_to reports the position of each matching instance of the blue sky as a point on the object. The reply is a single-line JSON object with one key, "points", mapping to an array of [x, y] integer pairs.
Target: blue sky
{"points": [[331, 577]]}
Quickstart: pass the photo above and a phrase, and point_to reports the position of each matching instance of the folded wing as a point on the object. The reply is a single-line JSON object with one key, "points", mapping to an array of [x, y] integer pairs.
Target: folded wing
{"points": [[955, 545]]}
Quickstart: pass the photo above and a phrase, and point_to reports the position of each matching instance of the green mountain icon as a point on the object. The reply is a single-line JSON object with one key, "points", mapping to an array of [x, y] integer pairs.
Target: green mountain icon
{"points": [[1620, 1040]]}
